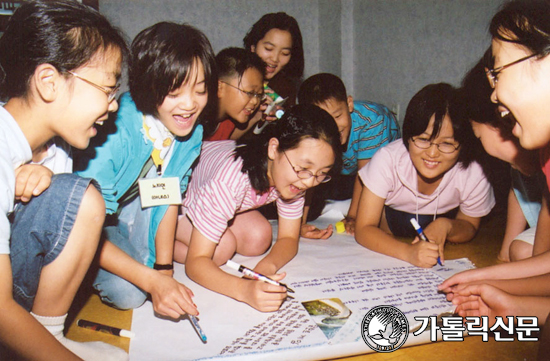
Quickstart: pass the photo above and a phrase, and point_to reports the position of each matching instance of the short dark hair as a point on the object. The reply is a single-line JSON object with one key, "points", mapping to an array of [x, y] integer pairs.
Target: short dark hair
{"points": [[526, 23], [281, 21], [65, 34], [319, 88], [233, 62], [300, 122], [439, 100], [163, 57]]}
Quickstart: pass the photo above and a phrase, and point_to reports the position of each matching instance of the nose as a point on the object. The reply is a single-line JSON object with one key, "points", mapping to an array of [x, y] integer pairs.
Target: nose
{"points": [[275, 57], [186, 102], [494, 98], [113, 106], [310, 182], [433, 150]]}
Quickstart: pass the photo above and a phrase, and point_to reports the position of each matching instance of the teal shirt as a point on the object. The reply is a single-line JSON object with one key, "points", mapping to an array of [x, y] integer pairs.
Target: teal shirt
{"points": [[117, 162], [372, 127]]}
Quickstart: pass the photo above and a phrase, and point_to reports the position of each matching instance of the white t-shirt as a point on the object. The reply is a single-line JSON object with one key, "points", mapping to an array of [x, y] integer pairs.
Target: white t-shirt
{"points": [[391, 175], [14, 151]]}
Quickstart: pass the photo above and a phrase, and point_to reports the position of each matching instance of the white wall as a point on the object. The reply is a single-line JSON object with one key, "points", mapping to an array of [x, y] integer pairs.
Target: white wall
{"points": [[384, 50]]}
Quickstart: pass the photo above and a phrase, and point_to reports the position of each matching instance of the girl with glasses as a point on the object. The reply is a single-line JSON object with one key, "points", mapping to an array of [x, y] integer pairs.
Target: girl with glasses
{"points": [[158, 135], [232, 179], [429, 175], [520, 78], [240, 90], [50, 228]]}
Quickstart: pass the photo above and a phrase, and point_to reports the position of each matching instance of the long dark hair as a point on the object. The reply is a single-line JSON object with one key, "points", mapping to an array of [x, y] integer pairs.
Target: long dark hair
{"points": [[65, 34], [300, 122], [281, 21]]}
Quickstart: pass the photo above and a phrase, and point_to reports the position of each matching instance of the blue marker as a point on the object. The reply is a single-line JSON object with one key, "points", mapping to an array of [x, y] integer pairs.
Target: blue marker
{"points": [[422, 235], [197, 327]]}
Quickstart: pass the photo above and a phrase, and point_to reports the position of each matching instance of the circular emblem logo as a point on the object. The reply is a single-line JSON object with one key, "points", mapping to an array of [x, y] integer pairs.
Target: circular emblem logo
{"points": [[385, 328]]}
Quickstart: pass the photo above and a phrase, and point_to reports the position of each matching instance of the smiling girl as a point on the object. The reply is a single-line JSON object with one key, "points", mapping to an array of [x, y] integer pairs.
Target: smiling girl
{"points": [[60, 62], [429, 175], [158, 137], [277, 40], [520, 78], [232, 180]]}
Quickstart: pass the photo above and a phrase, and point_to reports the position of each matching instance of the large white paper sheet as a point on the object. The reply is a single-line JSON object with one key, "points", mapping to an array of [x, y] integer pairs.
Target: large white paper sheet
{"points": [[333, 268]]}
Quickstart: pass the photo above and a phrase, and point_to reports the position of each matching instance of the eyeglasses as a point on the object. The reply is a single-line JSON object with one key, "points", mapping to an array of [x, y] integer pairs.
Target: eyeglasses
{"points": [[444, 147], [260, 96], [306, 174], [492, 74], [110, 91]]}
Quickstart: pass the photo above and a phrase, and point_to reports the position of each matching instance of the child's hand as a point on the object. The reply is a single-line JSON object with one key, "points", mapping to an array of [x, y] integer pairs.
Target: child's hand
{"points": [[458, 279], [349, 222], [171, 298], [310, 231], [484, 300], [437, 232], [31, 180], [263, 296], [423, 254], [504, 255]]}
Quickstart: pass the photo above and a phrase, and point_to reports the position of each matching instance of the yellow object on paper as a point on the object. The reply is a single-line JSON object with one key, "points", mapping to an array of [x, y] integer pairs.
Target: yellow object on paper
{"points": [[340, 227]]}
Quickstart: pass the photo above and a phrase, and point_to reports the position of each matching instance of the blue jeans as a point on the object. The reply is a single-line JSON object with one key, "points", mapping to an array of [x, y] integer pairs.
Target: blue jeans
{"points": [[39, 231], [130, 234]]}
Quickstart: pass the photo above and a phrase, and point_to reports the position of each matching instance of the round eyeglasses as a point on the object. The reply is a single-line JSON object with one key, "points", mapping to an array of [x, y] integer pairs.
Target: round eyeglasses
{"points": [[306, 174], [444, 147], [260, 96], [110, 91]]}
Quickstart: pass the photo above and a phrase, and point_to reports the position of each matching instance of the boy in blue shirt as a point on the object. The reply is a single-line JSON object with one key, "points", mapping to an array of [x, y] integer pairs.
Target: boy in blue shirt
{"points": [[364, 128]]}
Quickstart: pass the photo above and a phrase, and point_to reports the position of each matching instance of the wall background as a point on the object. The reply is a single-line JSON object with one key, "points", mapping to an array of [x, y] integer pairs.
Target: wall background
{"points": [[384, 50]]}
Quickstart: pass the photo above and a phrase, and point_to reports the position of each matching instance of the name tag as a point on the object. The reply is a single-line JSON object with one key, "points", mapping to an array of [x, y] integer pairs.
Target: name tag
{"points": [[159, 191]]}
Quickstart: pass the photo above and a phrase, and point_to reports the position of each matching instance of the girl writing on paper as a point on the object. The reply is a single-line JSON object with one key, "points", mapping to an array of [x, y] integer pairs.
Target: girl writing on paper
{"points": [[157, 138], [232, 179], [429, 175]]}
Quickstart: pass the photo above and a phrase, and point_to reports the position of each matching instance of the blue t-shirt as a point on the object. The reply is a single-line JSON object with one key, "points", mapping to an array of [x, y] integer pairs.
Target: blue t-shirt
{"points": [[372, 126]]}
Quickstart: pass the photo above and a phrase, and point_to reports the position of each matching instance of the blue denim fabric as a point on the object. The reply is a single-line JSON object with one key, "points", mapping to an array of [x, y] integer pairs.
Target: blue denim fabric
{"points": [[39, 231], [131, 236]]}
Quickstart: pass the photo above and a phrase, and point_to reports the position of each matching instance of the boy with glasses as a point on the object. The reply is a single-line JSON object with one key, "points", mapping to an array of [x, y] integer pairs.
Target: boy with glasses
{"points": [[240, 90]]}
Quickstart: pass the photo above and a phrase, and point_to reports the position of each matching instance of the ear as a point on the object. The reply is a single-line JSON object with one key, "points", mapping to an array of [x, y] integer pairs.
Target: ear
{"points": [[253, 48], [350, 103], [221, 87], [46, 82], [272, 148]]}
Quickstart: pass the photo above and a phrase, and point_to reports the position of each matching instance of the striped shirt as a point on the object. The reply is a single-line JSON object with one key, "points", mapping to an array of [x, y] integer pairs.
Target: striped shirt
{"points": [[219, 190]]}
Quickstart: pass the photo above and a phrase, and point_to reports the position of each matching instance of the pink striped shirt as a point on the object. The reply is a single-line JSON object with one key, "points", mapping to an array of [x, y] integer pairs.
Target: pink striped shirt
{"points": [[218, 190]]}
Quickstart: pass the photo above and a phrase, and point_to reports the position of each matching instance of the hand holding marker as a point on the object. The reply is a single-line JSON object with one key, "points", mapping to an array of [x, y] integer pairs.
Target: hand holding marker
{"points": [[422, 235], [277, 100], [257, 276]]}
